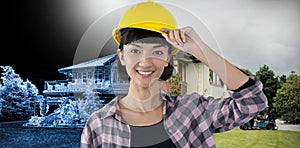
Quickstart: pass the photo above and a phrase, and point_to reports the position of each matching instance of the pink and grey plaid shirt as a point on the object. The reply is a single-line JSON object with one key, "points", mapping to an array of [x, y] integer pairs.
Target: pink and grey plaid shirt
{"points": [[189, 120]]}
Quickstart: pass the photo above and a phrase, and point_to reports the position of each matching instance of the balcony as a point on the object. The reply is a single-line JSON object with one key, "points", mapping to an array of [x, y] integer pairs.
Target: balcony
{"points": [[52, 87]]}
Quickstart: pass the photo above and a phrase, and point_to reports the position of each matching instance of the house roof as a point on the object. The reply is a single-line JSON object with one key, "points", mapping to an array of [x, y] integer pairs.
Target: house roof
{"points": [[93, 63]]}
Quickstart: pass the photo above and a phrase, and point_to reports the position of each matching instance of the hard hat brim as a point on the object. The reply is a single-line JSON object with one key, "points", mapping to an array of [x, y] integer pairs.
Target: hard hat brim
{"points": [[152, 26]]}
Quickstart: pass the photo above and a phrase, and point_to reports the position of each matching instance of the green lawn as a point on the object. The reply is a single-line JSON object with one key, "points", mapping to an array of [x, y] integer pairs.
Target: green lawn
{"points": [[237, 138]]}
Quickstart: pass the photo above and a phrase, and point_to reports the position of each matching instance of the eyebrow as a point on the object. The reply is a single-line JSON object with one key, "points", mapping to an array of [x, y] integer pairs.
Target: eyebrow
{"points": [[155, 46], [136, 45], [158, 46]]}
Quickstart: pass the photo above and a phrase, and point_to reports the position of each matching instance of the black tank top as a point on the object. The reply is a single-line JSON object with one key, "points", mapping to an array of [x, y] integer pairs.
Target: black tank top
{"points": [[153, 136]]}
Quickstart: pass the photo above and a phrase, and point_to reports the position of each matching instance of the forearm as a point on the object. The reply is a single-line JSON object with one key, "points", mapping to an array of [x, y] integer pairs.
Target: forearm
{"points": [[229, 74]]}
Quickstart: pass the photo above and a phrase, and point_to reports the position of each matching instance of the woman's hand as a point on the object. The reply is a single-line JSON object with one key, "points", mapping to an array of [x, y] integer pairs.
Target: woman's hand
{"points": [[187, 40]]}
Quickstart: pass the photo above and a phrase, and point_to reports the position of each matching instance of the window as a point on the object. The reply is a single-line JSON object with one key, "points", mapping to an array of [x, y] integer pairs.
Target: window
{"points": [[214, 79], [107, 74]]}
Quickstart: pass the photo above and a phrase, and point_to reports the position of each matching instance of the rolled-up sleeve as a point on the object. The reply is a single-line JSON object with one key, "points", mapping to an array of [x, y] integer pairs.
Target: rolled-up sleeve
{"points": [[86, 138], [237, 109]]}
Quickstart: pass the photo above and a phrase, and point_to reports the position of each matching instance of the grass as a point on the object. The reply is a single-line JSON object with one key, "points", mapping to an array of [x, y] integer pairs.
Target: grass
{"points": [[237, 138], [18, 136]]}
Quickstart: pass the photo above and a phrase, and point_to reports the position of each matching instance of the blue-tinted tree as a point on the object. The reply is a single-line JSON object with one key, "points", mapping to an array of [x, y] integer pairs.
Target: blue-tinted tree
{"points": [[32, 94], [15, 96], [67, 113], [90, 102], [1, 100], [44, 107]]}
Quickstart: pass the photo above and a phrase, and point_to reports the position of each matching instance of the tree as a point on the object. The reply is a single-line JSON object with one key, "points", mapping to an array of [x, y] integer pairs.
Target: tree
{"points": [[32, 94], [175, 84], [15, 96], [247, 71], [287, 100], [44, 106], [270, 83], [90, 102], [14, 106], [66, 115], [282, 79], [1, 100]]}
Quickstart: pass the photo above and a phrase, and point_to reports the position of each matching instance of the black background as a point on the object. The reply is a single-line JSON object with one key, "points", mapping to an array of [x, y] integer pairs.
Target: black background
{"points": [[39, 37]]}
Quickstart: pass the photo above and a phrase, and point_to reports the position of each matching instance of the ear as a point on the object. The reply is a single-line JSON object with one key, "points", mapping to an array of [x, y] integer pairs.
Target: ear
{"points": [[121, 57], [166, 65]]}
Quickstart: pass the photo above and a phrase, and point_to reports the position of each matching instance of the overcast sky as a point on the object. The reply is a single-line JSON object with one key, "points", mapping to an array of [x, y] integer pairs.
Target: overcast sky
{"points": [[256, 32], [249, 33]]}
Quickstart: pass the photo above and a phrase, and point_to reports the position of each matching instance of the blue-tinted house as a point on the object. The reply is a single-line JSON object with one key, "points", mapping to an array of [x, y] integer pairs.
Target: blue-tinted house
{"points": [[100, 74]]}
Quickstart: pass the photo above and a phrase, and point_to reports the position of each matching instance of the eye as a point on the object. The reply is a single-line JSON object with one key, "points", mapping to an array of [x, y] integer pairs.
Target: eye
{"points": [[135, 51], [158, 52]]}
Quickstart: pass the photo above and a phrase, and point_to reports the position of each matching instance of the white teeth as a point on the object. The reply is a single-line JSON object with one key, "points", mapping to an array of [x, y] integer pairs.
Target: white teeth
{"points": [[145, 73]]}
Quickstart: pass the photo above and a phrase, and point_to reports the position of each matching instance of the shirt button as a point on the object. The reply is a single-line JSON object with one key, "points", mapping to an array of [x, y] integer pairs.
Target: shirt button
{"points": [[170, 130]]}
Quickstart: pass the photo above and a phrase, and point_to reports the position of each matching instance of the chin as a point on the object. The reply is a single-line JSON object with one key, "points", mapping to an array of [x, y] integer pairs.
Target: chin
{"points": [[146, 83]]}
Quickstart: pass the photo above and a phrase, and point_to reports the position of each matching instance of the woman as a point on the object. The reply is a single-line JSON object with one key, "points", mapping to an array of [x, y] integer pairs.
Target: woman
{"points": [[149, 117]]}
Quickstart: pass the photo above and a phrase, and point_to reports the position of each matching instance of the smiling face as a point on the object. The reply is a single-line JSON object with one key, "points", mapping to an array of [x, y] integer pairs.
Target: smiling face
{"points": [[144, 62]]}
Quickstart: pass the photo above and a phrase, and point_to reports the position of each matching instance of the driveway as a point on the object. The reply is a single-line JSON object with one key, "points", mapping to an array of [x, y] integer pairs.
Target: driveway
{"points": [[282, 126]]}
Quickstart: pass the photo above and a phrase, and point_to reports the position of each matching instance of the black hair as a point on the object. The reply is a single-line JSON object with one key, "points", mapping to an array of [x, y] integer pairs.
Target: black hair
{"points": [[130, 35]]}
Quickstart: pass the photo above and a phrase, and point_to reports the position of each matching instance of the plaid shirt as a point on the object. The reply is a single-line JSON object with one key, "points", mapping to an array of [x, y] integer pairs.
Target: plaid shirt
{"points": [[190, 120]]}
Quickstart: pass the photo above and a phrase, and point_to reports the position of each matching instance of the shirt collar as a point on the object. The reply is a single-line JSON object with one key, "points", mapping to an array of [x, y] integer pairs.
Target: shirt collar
{"points": [[110, 109]]}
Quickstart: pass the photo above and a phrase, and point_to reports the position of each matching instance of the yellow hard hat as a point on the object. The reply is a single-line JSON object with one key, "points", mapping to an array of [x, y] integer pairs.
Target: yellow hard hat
{"points": [[145, 15]]}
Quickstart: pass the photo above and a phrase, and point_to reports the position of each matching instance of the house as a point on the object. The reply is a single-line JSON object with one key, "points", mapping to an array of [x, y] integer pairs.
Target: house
{"points": [[94, 75], [91, 76], [198, 77], [100, 77]]}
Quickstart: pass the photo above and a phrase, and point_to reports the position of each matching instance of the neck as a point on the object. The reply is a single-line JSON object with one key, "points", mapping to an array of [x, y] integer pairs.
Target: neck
{"points": [[142, 99]]}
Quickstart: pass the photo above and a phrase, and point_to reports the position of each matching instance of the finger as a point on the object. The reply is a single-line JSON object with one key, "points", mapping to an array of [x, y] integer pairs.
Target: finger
{"points": [[177, 37], [182, 35], [171, 36], [168, 40], [165, 30]]}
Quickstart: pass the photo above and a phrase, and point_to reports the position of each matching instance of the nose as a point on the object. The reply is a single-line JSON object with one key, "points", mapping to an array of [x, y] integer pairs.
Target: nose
{"points": [[145, 62]]}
